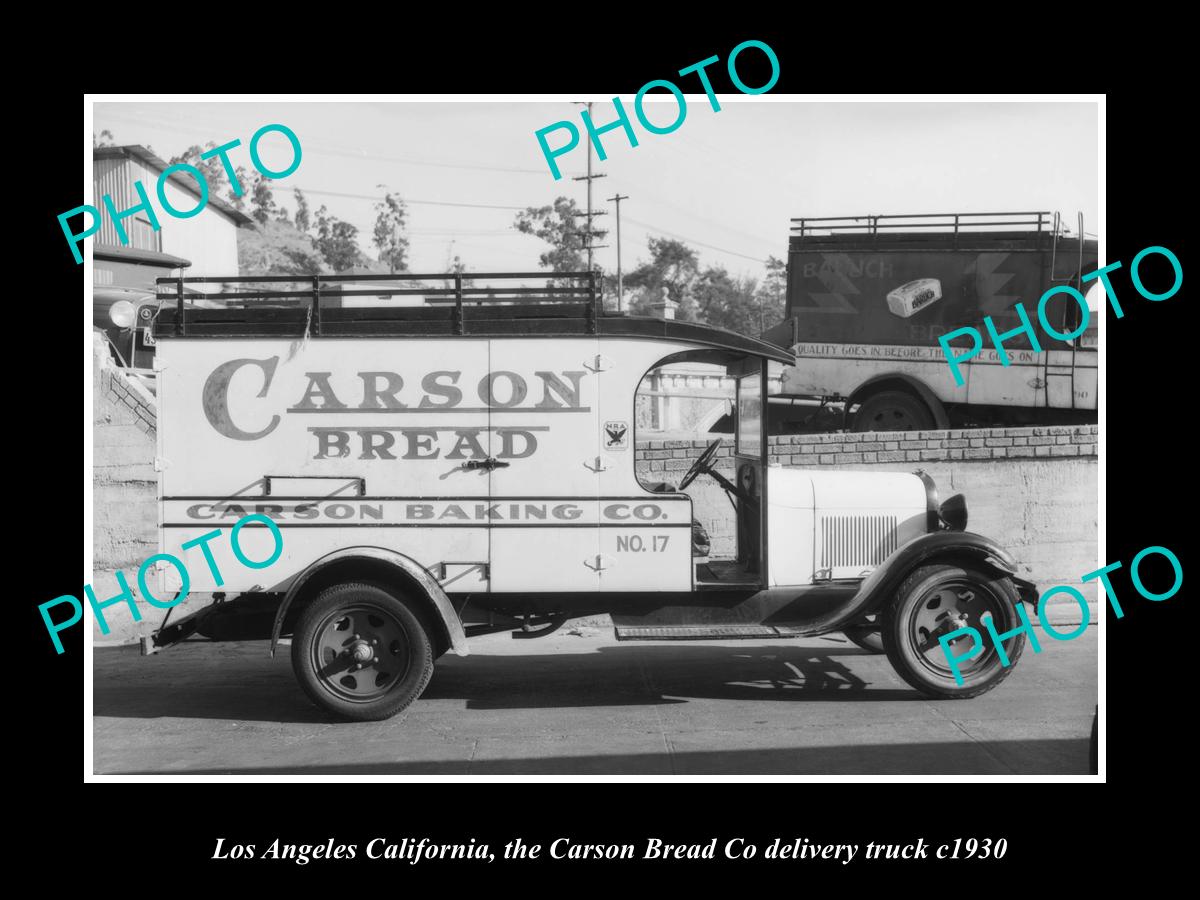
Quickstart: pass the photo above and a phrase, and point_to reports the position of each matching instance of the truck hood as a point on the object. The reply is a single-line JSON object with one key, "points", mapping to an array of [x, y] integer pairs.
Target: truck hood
{"points": [[826, 491], [839, 525]]}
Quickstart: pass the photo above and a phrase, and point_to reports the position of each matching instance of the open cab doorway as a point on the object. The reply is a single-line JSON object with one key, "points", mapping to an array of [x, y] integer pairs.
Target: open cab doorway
{"points": [[722, 468]]}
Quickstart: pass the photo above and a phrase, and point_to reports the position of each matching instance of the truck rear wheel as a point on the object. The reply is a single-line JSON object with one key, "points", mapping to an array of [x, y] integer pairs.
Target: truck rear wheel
{"points": [[361, 653], [940, 598], [892, 411]]}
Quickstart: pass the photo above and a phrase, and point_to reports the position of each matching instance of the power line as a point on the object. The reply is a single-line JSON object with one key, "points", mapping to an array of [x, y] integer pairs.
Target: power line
{"points": [[326, 149], [350, 154], [405, 199], [683, 237], [330, 150], [630, 219]]}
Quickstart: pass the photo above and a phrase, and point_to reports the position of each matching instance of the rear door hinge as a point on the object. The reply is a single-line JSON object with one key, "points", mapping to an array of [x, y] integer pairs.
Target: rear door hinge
{"points": [[599, 562], [599, 363]]}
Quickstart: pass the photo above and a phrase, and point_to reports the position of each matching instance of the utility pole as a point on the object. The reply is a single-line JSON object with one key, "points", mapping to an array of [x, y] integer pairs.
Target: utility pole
{"points": [[620, 284], [588, 178]]}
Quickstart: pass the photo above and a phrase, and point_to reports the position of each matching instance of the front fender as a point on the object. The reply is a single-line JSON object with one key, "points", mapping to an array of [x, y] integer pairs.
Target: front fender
{"points": [[414, 571], [880, 586]]}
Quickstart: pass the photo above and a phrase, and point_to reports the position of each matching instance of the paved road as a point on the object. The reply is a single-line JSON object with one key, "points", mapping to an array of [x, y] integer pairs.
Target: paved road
{"points": [[583, 703]]}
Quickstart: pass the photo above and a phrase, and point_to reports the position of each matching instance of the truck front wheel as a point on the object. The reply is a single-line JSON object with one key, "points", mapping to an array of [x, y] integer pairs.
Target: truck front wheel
{"points": [[937, 599], [892, 411], [361, 653]]}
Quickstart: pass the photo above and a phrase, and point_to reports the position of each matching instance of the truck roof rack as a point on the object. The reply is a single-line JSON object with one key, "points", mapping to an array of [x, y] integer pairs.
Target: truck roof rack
{"points": [[953, 222], [565, 291], [541, 304], [1012, 231]]}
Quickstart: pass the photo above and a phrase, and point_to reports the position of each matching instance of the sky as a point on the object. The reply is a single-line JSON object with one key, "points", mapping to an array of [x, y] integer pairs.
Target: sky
{"points": [[727, 182]]}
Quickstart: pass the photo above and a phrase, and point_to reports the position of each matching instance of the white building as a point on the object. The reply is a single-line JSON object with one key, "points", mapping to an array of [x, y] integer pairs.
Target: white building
{"points": [[207, 241]]}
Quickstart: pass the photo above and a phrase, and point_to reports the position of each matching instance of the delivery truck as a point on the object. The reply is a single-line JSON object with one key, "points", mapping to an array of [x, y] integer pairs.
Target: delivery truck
{"points": [[868, 297], [466, 464]]}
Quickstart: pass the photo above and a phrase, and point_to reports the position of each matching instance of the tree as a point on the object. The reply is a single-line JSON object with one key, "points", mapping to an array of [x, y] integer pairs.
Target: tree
{"points": [[389, 233], [105, 139], [262, 200], [278, 248], [772, 293], [337, 241], [238, 203], [213, 170], [673, 265], [728, 302], [556, 225], [303, 218]]}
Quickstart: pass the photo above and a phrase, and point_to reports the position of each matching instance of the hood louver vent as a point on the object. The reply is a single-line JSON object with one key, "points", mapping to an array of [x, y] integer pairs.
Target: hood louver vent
{"points": [[852, 544]]}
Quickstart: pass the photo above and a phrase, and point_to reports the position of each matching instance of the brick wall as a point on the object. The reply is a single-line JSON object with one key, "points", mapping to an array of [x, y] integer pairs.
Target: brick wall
{"points": [[926, 446], [888, 447], [1034, 490]]}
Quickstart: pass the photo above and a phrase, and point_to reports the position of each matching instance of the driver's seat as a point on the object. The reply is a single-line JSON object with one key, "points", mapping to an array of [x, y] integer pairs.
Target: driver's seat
{"points": [[701, 545]]}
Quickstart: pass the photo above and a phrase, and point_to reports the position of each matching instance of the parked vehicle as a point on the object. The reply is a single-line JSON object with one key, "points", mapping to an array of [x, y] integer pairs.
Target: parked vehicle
{"points": [[467, 465], [125, 315], [867, 298]]}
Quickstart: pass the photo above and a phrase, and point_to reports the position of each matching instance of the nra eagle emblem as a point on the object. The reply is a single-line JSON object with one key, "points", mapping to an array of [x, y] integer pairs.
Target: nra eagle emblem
{"points": [[616, 435]]}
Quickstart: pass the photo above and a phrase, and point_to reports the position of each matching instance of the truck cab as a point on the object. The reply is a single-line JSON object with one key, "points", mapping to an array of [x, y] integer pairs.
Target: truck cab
{"points": [[468, 464]]}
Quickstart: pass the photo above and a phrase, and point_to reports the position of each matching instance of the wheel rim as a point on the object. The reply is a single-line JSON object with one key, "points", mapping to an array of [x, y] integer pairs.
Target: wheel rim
{"points": [[360, 652], [944, 608]]}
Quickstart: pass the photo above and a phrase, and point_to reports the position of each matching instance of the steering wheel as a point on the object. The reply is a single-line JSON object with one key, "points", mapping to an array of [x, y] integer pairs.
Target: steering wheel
{"points": [[703, 463]]}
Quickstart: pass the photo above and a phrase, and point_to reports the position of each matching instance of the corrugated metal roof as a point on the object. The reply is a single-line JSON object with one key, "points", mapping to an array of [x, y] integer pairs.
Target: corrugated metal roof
{"points": [[134, 255], [136, 151]]}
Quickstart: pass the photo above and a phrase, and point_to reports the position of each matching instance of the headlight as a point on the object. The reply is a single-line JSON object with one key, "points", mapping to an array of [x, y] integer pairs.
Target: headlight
{"points": [[121, 314], [954, 512]]}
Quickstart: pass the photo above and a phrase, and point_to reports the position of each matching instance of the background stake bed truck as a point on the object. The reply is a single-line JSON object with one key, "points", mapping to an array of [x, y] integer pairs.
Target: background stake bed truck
{"points": [[466, 465], [868, 296]]}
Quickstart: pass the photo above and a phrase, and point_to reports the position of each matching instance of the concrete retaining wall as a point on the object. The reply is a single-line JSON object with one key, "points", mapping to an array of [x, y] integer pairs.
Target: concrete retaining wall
{"points": [[123, 477], [124, 485]]}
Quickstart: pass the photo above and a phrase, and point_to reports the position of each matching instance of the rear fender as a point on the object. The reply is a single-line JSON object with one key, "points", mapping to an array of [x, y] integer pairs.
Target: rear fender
{"points": [[407, 570], [900, 381]]}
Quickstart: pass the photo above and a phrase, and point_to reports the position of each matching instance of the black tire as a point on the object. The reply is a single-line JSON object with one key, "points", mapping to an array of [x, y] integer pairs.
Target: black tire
{"points": [[865, 636], [374, 622], [892, 411], [919, 612]]}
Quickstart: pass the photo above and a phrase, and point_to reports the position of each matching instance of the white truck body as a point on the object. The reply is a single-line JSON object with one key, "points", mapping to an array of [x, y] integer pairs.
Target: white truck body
{"points": [[323, 448]]}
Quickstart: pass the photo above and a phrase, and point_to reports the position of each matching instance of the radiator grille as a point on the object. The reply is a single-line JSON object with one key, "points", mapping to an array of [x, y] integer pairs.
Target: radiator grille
{"points": [[857, 541]]}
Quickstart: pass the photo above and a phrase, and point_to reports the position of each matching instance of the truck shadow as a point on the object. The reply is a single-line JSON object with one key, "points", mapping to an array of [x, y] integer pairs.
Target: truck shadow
{"points": [[238, 681], [649, 673]]}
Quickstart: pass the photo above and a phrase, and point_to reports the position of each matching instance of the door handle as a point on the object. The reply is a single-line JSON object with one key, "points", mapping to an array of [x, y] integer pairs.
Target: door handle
{"points": [[490, 463]]}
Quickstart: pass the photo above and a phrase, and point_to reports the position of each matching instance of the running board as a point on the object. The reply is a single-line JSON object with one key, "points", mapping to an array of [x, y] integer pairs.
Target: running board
{"points": [[702, 632]]}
